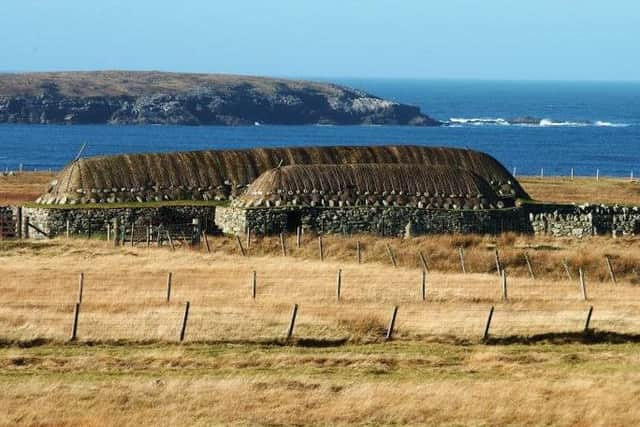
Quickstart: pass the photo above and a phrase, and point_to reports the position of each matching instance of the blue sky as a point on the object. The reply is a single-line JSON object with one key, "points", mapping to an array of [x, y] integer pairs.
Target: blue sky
{"points": [[483, 39]]}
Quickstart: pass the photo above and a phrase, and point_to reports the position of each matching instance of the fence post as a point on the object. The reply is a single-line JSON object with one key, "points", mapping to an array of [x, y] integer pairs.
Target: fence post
{"points": [[610, 268], [498, 264], [116, 230], [80, 287], [25, 232], [358, 252], [283, 246], [169, 277], [488, 324], [392, 323], [239, 242], [461, 254], [423, 289], [339, 284], [19, 223], [68, 229], [597, 174], [206, 241], [566, 269], [292, 321], [183, 330], [588, 321], [423, 261], [392, 256], [298, 237], [583, 287], [571, 174], [321, 247], [254, 284], [526, 258], [74, 326], [503, 277]]}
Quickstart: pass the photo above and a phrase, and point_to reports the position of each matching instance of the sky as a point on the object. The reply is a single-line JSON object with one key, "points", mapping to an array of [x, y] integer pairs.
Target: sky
{"points": [[422, 39]]}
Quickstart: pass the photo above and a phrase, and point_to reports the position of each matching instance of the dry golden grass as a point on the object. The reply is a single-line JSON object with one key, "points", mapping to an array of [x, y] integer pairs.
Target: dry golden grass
{"points": [[124, 289], [23, 187], [338, 370], [583, 190]]}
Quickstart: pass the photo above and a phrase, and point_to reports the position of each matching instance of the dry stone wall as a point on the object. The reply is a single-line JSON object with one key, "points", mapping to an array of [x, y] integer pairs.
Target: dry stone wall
{"points": [[585, 220], [53, 221], [391, 221]]}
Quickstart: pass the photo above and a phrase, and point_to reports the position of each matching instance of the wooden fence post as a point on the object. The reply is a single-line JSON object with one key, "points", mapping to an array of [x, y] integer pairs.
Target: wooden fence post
{"points": [[529, 267], [488, 324], [80, 287], [498, 264], [283, 246], [392, 323], [461, 254], [67, 230], [183, 330], [610, 268], [74, 326], [169, 277], [206, 241], [298, 237], [392, 256], [321, 247], [566, 269], [423, 261], [116, 230], [254, 284], [339, 284], [423, 288], [571, 174], [239, 242], [503, 277], [292, 321], [25, 232], [583, 287], [588, 321], [358, 252]]}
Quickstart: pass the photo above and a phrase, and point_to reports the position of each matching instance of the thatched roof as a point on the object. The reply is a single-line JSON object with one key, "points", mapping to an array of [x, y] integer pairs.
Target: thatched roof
{"points": [[370, 184], [225, 173]]}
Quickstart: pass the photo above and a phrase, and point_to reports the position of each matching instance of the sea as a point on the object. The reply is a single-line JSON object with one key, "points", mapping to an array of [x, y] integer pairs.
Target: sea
{"points": [[590, 127]]}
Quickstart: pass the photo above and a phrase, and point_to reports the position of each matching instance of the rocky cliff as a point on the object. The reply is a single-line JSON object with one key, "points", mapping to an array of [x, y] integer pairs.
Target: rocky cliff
{"points": [[190, 99]]}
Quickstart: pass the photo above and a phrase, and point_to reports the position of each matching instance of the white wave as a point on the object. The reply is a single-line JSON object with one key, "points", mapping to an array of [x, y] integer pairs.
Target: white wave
{"points": [[479, 121], [609, 124], [545, 122], [549, 122]]}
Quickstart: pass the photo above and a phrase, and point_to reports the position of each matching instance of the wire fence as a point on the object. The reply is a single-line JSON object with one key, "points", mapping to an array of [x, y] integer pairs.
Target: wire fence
{"points": [[351, 305]]}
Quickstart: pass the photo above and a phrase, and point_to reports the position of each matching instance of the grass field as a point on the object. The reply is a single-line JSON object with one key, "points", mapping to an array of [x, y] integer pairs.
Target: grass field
{"points": [[235, 367]]}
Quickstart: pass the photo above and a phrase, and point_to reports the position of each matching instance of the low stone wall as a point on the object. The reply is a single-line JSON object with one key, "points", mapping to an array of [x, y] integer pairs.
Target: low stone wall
{"points": [[390, 221], [53, 221], [583, 221]]}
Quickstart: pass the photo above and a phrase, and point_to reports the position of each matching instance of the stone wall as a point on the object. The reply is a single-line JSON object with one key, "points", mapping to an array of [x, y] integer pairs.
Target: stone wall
{"points": [[389, 221], [53, 221], [585, 220]]}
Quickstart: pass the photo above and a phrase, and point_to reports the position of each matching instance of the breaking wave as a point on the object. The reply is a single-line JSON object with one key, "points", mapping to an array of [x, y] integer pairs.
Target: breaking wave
{"points": [[528, 121]]}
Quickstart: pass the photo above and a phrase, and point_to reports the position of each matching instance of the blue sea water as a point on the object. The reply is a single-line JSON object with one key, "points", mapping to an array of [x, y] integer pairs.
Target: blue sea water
{"points": [[580, 125]]}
